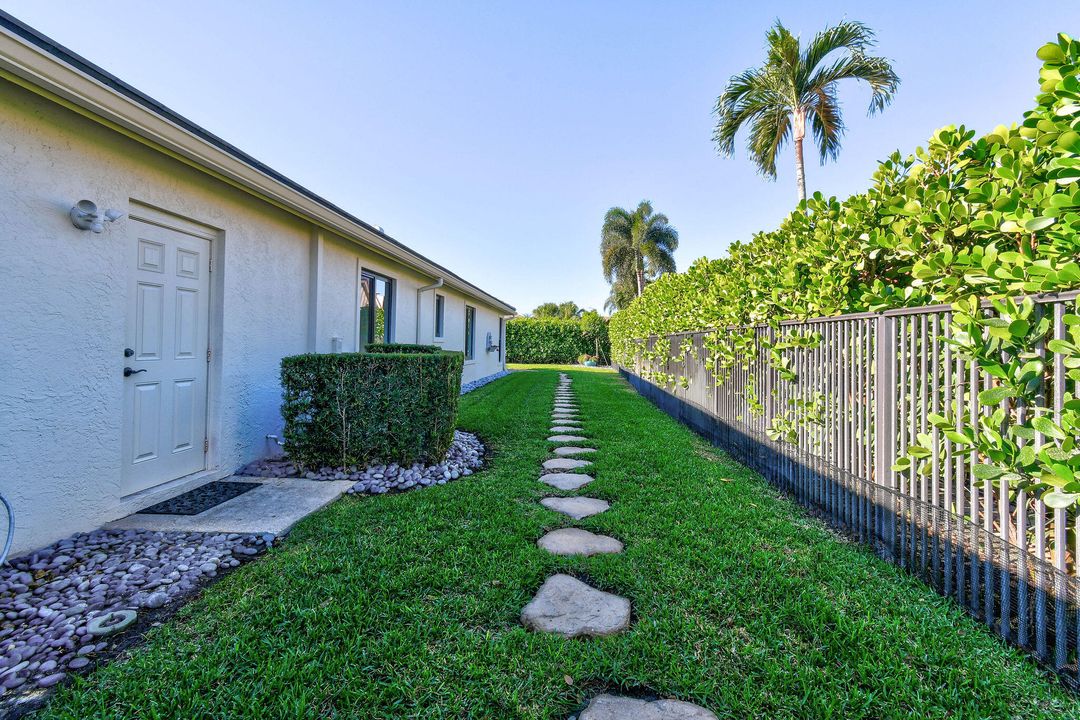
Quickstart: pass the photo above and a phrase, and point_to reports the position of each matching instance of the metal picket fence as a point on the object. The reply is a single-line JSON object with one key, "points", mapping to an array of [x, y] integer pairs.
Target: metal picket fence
{"points": [[1005, 557]]}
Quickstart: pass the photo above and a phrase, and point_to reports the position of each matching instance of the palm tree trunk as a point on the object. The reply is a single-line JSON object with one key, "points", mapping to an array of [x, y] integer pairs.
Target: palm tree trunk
{"points": [[800, 173], [640, 281], [800, 168]]}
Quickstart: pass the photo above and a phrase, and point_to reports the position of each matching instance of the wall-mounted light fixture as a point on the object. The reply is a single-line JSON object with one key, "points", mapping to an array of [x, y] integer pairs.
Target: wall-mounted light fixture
{"points": [[85, 216]]}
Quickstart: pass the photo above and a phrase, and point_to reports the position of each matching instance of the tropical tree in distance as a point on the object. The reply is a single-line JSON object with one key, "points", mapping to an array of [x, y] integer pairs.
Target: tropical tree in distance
{"points": [[797, 87], [566, 310], [635, 248]]}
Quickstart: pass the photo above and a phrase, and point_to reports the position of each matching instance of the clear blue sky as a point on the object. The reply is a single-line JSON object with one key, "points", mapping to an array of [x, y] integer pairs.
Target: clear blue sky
{"points": [[493, 136]]}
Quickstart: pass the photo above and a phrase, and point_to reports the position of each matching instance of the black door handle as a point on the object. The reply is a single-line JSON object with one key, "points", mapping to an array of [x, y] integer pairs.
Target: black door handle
{"points": [[128, 372]]}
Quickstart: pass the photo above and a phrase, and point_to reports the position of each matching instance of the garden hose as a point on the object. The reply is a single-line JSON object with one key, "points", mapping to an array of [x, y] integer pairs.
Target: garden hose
{"points": [[10, 529]]}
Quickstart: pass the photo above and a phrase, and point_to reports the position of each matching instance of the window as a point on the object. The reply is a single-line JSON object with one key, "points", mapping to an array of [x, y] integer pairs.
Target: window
{"points": [[376, 308], [470, 332], [440, 308]]}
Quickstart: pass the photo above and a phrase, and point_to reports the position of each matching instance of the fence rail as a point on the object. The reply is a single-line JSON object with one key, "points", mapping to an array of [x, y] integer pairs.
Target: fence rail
{"points": [[856, 398]]}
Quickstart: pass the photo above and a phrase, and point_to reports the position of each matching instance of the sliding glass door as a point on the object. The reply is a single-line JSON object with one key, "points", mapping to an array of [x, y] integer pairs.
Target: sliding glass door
{"points": [[376, 308]]}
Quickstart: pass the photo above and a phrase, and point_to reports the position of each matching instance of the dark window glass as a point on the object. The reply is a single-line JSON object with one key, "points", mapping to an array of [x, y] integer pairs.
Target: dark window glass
{"points": [[440, 308], [376, 308], [470, 332]]}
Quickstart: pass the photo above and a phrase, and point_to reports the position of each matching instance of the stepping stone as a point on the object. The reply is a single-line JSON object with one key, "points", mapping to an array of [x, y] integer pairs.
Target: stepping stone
{"points": [[576, 507], [613, 707], [566, 438], [575, 541], [564, 413], [565, 464], [567, 481], [566, 606], [563, 428], [573, 450]]}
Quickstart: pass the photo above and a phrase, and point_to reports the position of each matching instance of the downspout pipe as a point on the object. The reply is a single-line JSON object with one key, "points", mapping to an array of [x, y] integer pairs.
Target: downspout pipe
{"points": [[419, 291]]}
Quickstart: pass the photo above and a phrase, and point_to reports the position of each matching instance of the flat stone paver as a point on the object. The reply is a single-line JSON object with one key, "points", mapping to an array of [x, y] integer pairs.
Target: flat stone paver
{"points": [[568, 421], [566, 414], [567, 481], [563, 429], [573, 450], [575, 541], [567, 438], [576, 507], [566, 606], [565, 464], [613, 707]]}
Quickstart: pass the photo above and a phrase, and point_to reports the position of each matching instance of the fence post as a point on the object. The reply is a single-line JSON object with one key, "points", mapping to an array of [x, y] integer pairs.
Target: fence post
{"points": [[885, 423]]}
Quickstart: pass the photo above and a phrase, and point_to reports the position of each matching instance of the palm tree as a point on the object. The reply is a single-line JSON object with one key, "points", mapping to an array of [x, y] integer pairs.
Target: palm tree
{"points": [[797, 86], [636, 248]]}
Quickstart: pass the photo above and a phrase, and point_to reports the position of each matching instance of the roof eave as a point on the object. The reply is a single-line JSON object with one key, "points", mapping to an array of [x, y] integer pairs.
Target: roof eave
{"points": [[63, 75]]}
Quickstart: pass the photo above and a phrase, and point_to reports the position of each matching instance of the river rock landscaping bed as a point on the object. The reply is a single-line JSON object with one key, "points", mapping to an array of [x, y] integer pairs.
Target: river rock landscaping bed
{"points": [[60, 605], [470, 386], [466, 455]]}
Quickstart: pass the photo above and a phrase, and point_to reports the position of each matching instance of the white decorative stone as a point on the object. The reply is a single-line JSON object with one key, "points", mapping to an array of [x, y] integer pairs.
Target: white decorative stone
{"points": [[565, 464], [573, 450], [566, 481], [575, 541], [613, 707], [564, 429], [566, 606], [576, 507], [567, 438]]}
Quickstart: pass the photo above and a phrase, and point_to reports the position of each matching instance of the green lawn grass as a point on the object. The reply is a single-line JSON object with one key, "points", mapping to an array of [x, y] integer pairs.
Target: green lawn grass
{"points": [[406, 606]]}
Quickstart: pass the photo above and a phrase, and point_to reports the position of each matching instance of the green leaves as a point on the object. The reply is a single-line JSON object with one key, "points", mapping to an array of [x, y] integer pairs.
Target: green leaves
{"points": [[995, 395], [1048, 428]]}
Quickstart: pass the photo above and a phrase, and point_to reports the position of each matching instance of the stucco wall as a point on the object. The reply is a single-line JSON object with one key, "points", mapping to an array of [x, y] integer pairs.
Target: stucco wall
{"points": [[64, 306]]}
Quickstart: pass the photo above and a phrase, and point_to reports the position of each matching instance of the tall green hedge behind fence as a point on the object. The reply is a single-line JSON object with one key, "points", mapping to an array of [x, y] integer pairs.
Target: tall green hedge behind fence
{"points": [[996, 215], [393, 403], [555, 340]]}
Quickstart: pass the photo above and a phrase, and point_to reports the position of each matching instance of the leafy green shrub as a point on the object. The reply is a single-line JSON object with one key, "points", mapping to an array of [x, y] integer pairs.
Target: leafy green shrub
{"points": [[555, 340], [393, 403]]}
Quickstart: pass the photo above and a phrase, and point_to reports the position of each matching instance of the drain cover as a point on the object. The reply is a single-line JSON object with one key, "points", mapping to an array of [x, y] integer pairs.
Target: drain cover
{"points": [[201, 498]]}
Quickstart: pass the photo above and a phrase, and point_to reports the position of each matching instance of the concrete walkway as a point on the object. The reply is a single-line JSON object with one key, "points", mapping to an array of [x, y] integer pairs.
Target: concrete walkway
{"points": [[273, 508]]}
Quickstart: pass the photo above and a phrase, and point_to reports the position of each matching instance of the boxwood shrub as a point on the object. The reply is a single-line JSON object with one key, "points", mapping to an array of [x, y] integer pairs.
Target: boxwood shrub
{"points": [[392, 403], [557, 340]]}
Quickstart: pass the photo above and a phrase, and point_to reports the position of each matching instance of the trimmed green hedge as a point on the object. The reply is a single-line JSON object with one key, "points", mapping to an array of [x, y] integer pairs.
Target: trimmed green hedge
{"points": [[556, 340], [392, 403]]}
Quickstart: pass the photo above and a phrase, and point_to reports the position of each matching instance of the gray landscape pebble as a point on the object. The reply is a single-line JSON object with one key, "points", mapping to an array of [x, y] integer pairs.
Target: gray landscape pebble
{"points": [[53, 601], [466, 455]]}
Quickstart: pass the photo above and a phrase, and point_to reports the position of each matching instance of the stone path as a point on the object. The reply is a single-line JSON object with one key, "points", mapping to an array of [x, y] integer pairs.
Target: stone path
{"points": [[576, 507], [567, 606], [566, 481], [612, 707], [565, 464], [575, 541]]}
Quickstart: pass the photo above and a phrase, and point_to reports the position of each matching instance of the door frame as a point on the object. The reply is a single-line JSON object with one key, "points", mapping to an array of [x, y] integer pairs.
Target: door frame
{"points": [[153, 215]]}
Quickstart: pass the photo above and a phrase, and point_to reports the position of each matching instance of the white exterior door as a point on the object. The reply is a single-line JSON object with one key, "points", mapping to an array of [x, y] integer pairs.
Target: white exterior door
{"points": [[166, 356]]}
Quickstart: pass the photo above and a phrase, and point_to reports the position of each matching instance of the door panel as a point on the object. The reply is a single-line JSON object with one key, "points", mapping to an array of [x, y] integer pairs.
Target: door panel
{"points": [[167, 327]]}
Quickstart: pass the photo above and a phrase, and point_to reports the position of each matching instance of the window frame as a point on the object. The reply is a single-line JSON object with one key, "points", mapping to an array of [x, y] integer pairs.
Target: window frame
{"points": [[470, 333], [439, 332], [389, 303]]}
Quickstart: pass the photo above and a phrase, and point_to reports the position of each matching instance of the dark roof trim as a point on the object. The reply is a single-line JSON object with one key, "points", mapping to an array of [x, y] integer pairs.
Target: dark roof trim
{"points": [[48, 45]]}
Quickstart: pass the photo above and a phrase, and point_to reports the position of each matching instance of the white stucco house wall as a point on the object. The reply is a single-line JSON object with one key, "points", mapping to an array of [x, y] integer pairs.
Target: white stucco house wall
{"points": [[218, 268]]}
